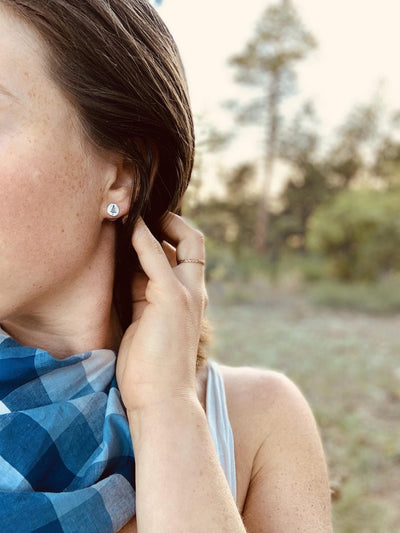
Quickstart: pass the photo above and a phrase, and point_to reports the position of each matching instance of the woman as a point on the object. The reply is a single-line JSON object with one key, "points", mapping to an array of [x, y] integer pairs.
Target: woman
{"points": [[96, 152]]}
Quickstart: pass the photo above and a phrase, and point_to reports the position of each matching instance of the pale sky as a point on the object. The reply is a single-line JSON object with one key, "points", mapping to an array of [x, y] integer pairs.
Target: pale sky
{"points": [[359, 45]]}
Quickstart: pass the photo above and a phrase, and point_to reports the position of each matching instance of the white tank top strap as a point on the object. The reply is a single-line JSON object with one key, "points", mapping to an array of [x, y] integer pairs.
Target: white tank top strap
{"points": [[219, 423]]}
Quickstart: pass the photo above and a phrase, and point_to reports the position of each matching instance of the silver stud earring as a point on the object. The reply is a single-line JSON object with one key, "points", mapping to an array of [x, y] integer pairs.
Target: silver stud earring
{"points": [[113, 210]]}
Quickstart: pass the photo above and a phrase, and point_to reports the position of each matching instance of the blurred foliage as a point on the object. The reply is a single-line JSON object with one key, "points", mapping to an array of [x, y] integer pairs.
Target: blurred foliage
{"points": [[337, 210], [226, 222], [223, 266], [387, 161], [308, 185], [359, 231], [328, 205], [356, 142]]}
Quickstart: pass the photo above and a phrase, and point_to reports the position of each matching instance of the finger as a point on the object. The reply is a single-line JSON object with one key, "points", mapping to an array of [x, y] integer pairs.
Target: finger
{"points": [[170, 252], [151, 255], [138, 292], [139, 282], [189, 244]]}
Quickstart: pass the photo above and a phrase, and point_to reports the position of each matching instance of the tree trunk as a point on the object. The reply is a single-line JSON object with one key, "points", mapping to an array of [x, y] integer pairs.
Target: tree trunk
{"points": [[262, 224]]}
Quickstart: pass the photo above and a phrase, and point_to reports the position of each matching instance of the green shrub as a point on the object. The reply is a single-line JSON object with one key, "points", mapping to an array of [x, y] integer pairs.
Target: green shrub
{"points": [[359, 232], [220, 262], [224, 263]]}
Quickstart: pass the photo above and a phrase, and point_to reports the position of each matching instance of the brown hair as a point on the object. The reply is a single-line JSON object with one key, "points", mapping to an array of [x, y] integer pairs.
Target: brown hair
{"points": [[117, 62]]}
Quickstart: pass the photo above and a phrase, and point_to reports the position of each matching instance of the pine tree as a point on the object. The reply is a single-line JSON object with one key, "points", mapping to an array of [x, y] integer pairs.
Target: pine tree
{"points": [[267, 62]]}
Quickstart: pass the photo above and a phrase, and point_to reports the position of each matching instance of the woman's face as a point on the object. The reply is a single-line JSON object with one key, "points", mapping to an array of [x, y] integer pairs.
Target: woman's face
{"points": [[51, 183]]}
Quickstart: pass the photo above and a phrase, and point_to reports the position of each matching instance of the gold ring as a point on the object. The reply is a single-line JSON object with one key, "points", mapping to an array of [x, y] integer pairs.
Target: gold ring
{"points": [[201, 261]]}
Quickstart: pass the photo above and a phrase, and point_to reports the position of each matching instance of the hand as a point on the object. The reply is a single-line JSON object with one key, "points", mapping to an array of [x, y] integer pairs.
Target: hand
{"points": [[156, 360]]}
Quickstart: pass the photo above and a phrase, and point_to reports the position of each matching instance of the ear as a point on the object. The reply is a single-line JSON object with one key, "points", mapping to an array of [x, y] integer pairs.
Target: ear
{"points": [[119, 187], [123, 179]]}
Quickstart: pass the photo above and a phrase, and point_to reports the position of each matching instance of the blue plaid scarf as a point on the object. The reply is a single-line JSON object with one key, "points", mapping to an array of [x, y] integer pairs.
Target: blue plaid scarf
{"points": [[66, 457]]}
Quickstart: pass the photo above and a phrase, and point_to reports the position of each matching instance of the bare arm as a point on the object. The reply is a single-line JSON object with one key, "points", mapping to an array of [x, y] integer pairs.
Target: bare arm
{"points": [[289, 489], [180, 484]]}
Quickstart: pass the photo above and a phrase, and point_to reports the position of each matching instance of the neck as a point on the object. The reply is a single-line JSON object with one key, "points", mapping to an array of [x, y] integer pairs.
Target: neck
{"points": [[74, 317]]}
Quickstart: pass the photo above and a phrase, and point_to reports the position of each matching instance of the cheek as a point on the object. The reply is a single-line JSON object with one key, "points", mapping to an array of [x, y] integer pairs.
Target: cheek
{"points": [[48, 213]]}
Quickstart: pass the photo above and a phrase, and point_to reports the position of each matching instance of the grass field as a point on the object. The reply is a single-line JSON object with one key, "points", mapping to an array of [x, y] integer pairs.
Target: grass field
{"points": [[347, 365]]}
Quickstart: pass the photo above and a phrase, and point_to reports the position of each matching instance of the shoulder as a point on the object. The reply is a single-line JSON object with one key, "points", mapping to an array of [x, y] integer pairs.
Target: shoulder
{"points": [[264, 392], [270, 403], [289, 483]]}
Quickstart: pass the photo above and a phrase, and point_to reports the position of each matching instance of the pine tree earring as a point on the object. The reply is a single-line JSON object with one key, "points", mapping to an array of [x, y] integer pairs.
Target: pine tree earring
{"points": [[113, 210]]}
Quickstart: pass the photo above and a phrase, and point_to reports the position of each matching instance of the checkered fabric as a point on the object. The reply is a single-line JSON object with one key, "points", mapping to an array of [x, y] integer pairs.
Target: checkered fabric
{"points": [[66, 456]]}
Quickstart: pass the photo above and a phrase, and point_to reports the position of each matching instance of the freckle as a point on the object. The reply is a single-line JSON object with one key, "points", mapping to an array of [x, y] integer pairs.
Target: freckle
{"points": [[62, 230]]}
